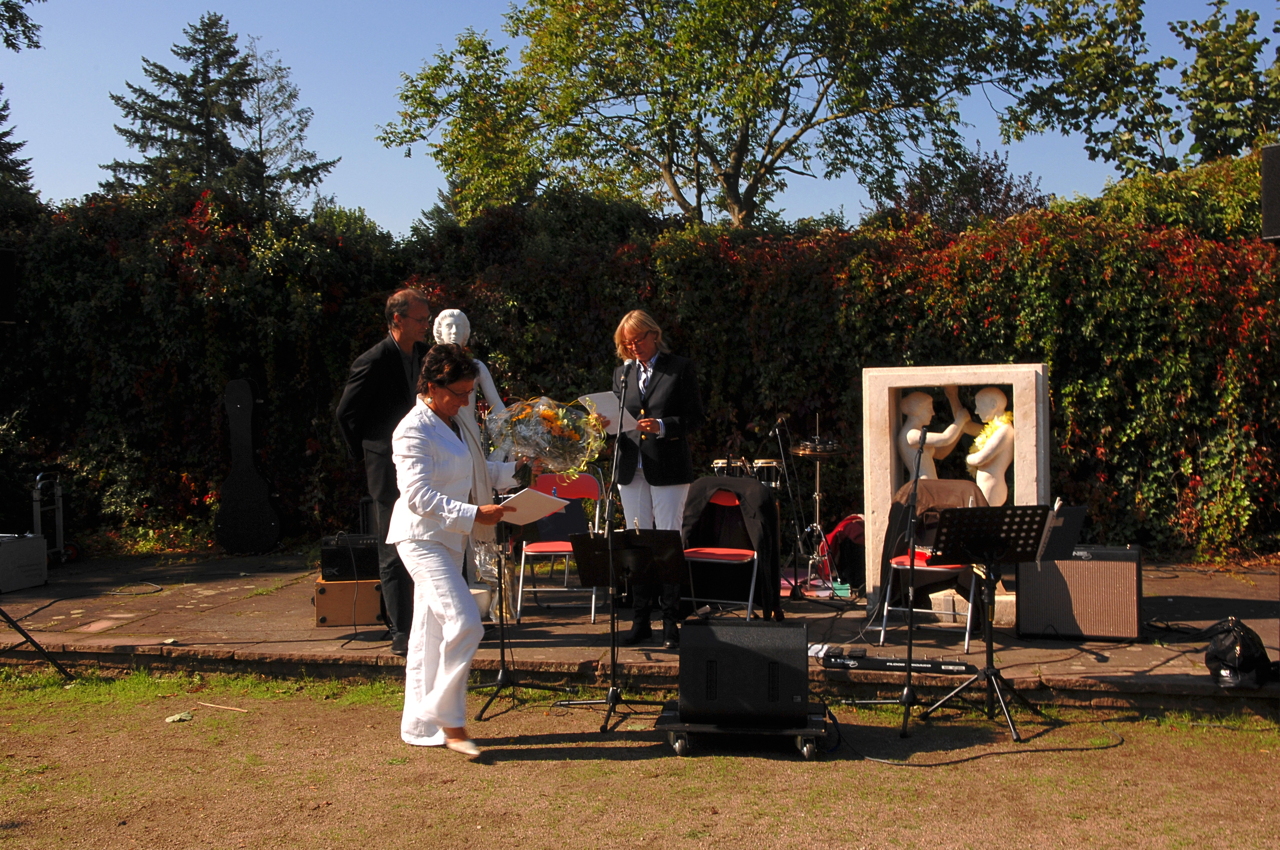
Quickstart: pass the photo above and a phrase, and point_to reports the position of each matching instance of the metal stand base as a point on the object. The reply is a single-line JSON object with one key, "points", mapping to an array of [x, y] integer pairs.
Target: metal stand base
{"points": [[506, 677], [989, 676], [26, 638], [612, 700]]}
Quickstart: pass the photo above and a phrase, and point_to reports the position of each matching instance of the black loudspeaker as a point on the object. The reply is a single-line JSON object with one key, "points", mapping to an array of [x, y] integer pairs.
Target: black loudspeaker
{"points": [[349, 557], [744, 674], [1271, 192], [1095, 594]]}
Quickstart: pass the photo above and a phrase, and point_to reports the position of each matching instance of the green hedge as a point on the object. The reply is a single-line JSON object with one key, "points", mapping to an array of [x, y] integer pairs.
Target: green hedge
{"points": [[1159, 343]]}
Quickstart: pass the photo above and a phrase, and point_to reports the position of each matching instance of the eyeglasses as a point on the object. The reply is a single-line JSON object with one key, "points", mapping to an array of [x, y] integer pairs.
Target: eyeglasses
{"points": [[633, 342], [463, 396]]}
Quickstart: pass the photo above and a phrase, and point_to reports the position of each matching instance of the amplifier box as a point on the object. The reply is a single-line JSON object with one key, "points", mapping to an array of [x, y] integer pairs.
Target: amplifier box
{"points": [[24, 561], [1095, 594], [744, 674], [348, 603], [349, 557]]}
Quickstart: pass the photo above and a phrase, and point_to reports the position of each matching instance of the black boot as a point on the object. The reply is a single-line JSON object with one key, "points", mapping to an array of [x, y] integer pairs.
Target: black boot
{"points": [[640, 632]]}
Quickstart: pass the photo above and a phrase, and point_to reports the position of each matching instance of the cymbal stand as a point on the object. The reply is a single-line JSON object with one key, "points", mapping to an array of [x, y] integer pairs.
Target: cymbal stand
{"points": [[613, 697]]}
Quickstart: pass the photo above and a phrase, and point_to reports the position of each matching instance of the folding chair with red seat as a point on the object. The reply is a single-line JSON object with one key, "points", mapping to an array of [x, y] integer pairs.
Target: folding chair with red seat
{"points": [[553, 534]]}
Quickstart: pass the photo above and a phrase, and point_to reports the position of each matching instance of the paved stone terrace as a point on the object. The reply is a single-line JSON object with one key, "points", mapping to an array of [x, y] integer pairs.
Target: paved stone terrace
{"points": [[255, 614]]}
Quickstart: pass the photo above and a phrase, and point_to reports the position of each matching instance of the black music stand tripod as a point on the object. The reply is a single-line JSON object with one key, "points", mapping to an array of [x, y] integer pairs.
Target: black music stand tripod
{"points": [[613, 698], [26, 638], [992, 537], [659, 553], [506, 678]]}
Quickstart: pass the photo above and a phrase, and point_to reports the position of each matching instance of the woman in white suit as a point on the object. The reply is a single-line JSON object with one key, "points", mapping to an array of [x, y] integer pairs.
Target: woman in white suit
{"points": [[445, 487]]}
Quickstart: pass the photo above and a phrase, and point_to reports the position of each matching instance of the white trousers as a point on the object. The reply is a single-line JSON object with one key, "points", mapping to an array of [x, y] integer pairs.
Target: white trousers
{"points": [[443, 638], [654, 507]]}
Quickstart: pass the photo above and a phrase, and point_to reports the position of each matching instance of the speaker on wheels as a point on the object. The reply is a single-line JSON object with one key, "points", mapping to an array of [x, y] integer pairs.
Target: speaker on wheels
{"points": [[739, 673]]}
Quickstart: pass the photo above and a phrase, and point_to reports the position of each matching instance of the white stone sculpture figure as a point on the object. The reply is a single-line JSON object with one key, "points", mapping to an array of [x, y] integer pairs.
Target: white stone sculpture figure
{"points": [[453, 326], [992, 449], [918, 408]]}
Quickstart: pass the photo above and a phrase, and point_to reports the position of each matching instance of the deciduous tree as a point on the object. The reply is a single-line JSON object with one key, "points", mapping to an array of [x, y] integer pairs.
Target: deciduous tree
{"points": [[277, 166], [704, 105]]}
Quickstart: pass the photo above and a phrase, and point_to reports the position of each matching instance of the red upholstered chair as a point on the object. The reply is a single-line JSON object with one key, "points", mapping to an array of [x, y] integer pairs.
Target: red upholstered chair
{"points": [[554, 532], [927, 573], [722, 556], [934, 496]]}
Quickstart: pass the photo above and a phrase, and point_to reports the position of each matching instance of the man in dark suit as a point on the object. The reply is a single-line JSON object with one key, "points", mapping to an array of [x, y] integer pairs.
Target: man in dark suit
{"points": [[655, 466], [379, 392]]}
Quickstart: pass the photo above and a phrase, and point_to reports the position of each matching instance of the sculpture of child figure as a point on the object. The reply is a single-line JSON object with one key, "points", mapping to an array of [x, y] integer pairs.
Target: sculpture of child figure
{"points": [[992, 449], [918, 408], [453, 326]]}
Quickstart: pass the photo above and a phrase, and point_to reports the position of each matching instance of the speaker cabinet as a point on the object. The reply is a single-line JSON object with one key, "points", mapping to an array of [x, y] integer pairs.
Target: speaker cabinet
{"points": [[349, 557], [744, 674], [1096, 594], [348, 603]]}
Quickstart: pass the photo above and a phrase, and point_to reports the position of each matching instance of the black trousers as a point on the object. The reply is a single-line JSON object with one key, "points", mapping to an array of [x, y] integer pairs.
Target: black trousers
{"points": [[645, 596], [397, 584]]}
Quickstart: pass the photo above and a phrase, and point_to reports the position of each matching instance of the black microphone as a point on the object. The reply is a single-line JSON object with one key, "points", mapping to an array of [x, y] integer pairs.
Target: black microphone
{"points": [[782, 417]]}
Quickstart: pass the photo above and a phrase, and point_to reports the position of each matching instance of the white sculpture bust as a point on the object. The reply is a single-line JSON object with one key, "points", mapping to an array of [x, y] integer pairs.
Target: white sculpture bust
{"points": [[453, 327], [918, 408], [992, 449]]}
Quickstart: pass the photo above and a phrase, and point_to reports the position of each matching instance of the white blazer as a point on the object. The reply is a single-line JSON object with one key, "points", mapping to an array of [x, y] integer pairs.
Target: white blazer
{"points": [[433, 473]]}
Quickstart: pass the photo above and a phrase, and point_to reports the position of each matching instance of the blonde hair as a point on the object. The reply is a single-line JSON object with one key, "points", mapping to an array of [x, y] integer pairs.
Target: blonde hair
{"points": [[636, 320]]}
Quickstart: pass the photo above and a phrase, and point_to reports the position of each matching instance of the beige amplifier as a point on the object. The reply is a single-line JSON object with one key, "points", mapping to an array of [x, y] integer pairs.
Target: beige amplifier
{"points": [[1095, 594], [348, 603]]}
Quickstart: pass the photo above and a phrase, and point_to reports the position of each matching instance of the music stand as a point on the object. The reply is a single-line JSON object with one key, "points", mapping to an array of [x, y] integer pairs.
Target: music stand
{"points": [[992, 537], [644, 554], [506, 676], [26, 638]]}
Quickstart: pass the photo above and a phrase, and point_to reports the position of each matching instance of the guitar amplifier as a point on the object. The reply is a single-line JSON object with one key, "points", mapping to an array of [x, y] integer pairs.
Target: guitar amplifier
{"points": [[348, 603], [349, 557], [1095, 594]]}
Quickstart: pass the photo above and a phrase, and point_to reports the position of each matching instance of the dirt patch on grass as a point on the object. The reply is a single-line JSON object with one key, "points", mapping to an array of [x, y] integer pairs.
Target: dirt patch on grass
{"points": [[318, 765]]}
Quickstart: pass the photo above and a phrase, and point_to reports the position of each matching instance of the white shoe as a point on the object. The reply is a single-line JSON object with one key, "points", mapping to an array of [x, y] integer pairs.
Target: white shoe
{"points": [[466, 746]]}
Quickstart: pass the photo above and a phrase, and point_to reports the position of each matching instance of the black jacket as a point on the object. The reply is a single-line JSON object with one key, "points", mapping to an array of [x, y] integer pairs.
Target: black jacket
{"points": [[374, 401], [672, 396]]}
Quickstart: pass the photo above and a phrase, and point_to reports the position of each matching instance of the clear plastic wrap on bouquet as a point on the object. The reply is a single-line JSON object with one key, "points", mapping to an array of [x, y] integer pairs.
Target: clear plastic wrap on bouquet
{"points": [[565, 437]]}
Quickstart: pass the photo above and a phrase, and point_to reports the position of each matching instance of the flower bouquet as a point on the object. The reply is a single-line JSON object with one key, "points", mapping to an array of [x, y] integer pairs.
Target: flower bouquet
{"points": [[564, 437]]}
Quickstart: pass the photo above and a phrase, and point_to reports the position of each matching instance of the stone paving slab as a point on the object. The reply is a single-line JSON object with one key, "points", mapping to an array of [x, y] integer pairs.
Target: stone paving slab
{"points": [[256, 614]]}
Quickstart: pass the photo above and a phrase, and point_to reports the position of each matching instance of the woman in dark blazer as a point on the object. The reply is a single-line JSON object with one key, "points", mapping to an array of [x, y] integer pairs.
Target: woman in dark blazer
{"points": [[654, 464]]}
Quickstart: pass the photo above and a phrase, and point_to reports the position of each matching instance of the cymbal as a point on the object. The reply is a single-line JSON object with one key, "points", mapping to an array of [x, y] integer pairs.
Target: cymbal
{"points": [[819, 449]]}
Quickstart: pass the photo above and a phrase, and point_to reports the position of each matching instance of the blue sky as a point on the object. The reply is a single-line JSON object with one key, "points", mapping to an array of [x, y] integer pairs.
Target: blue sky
{"points": [[347, 59]]}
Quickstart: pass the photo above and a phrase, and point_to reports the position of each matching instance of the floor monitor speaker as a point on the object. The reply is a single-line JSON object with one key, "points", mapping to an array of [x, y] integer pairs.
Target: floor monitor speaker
{"points": [[742, 673]]}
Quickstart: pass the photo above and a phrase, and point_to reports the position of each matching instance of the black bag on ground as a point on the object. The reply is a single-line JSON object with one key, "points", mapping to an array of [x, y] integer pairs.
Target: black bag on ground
{"points": [[1236, 657]]}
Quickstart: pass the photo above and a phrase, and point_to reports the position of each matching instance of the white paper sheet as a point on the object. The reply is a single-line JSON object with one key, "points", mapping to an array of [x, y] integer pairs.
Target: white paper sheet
{"points": [[531, 506], [606, 404]]}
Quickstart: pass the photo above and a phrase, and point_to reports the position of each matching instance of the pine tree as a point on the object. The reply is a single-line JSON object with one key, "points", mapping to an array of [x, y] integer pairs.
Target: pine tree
{"points": [[183, 128], [277, 167], [17, 30], [14, 172]]}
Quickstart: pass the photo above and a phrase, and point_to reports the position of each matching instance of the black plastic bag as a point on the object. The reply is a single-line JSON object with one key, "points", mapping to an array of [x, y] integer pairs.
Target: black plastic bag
{"points": [[1236, 657]]}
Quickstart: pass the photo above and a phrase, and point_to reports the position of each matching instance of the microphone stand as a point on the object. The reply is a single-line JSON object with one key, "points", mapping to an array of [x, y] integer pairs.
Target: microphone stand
{"points": [[908, 697], [613, 697]]}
